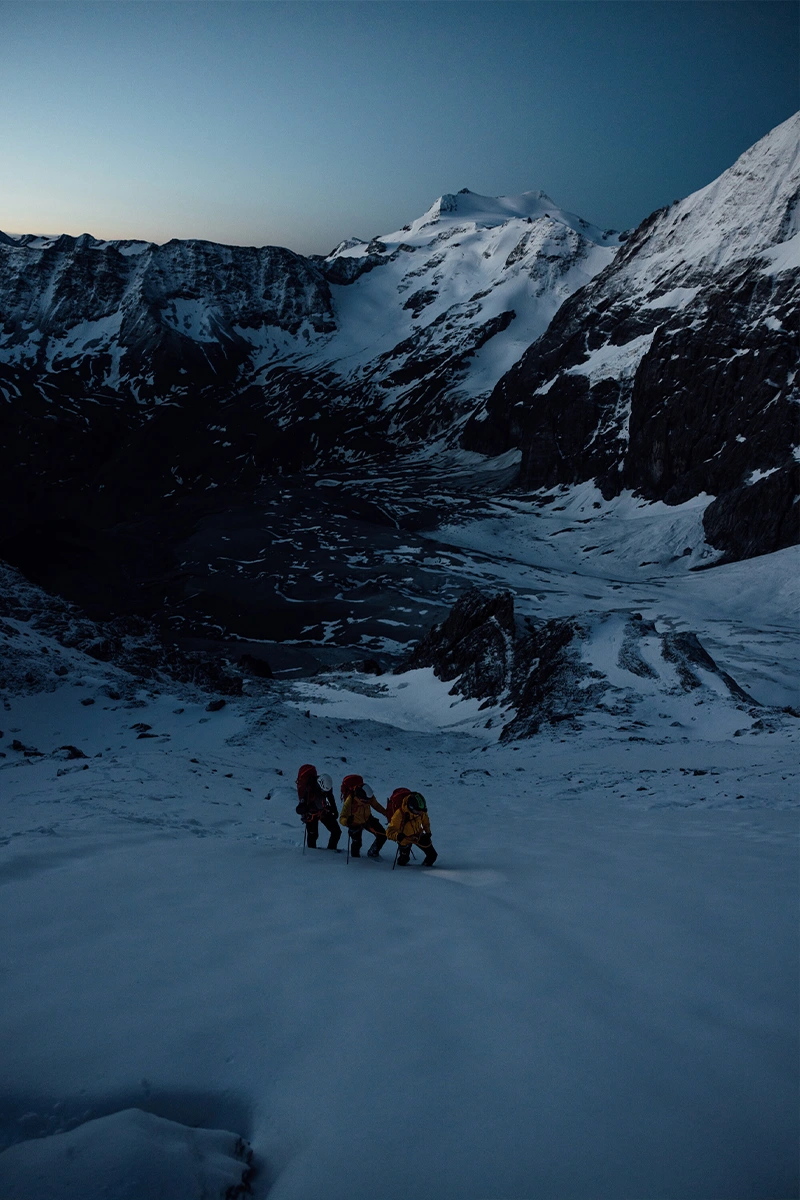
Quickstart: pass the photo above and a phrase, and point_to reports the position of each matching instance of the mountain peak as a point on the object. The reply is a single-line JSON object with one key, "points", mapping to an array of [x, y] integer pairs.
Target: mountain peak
{"points": [[751, 207], [486, 212]]}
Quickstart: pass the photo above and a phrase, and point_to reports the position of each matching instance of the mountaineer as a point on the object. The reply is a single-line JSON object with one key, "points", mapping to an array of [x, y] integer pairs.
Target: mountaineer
{"points": [[315, 794], [358, 800], [410, 826]]}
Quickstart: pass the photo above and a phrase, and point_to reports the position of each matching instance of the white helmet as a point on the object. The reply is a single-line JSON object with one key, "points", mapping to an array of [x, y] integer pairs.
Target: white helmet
{"points": [[325, 782], [368, 792]]}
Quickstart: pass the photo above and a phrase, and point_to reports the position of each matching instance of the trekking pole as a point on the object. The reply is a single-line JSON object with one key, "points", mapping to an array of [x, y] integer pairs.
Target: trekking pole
{"points": [[305, 831], [397, 851], [348, 848]]}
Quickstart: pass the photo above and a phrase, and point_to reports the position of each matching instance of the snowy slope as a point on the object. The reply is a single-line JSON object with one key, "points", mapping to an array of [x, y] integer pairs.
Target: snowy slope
{"points": [[593, 993]]}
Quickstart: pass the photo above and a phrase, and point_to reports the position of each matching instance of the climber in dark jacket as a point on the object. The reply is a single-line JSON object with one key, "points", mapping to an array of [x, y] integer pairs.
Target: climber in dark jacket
{"points": [[317, 804]]}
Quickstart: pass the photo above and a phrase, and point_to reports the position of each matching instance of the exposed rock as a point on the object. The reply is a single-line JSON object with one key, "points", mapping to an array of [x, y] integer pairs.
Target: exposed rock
{"points": [[370, 666], [547, 679], [134, 645], [255, 666], [28, 751], [546, 673], [67, 753], [474, 644], [756, 518], [480, 647], [348, 270], [420, 299], [687, 654]]}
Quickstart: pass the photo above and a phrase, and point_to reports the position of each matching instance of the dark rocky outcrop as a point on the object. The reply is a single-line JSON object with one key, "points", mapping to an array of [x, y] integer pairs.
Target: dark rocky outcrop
{"points": [[542, 674], [756, 517], [491, 657], [686, 653], [253, 665], [474, 644], [547, 684]]}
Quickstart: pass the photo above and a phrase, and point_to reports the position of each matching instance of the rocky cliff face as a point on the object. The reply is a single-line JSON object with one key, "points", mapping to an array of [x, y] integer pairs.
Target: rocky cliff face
{"points": [[117, 358], [540, 675], [675, 371], [144, 315]]}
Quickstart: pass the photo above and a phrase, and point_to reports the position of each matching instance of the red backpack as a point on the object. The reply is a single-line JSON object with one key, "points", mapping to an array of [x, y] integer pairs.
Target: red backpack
{"points": [[395, 800], [306, 781], [350, 783]]}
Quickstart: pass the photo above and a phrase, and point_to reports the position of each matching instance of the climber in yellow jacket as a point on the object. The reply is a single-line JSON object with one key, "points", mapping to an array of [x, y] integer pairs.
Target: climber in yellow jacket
{"points": [[410, 826], [358, 800]]}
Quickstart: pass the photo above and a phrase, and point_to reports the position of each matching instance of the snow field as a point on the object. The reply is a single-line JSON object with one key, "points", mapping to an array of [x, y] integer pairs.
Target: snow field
{"points": [[593, 993], [579, 999]]}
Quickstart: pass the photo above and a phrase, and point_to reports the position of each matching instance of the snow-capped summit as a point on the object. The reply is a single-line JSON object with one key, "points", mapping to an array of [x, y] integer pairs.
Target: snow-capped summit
{"points": [[430, 316], [488, 211], [467, 212], [351, 243]]}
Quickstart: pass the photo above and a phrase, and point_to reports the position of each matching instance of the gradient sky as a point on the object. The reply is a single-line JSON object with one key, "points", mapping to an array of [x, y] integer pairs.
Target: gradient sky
{"points": [[299, 123]]}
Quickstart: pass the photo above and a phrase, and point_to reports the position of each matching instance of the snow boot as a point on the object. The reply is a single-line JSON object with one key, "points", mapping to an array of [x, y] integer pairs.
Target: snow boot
{"points": [[430, 857], [403, 856], [374, 851]]}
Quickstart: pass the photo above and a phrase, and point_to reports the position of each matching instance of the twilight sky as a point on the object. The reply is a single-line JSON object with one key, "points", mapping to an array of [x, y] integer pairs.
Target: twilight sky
{"points": [[300, 123]]}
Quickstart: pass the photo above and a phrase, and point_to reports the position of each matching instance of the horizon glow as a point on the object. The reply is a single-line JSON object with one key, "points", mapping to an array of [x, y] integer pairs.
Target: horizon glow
{"points": [[299, 123]]}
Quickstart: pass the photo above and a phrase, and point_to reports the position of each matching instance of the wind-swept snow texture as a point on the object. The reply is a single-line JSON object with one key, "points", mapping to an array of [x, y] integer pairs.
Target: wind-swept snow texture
{"points": [[674, 372], [593, 993]]}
